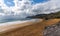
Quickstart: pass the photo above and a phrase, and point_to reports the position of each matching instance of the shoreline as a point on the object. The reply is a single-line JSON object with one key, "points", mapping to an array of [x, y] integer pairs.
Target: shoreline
{"points": [[5, 27], [31, 27], [15, 22]]}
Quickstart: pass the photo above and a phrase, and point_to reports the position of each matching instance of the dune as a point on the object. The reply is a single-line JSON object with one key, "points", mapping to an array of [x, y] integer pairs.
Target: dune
{"points": [[29, 28]]}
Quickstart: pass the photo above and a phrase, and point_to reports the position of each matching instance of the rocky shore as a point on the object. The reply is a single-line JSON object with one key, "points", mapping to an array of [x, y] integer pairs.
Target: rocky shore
{"points": [[53, 30]]}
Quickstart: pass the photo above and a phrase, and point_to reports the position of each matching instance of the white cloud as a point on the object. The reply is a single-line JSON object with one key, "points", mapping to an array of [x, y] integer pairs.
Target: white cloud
{"points": [[48, 7], [24, 8], [19, 11]]}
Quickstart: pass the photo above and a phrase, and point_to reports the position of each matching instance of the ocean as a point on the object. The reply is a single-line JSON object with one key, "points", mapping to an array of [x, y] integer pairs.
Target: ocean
{"points": [[4, 20]]}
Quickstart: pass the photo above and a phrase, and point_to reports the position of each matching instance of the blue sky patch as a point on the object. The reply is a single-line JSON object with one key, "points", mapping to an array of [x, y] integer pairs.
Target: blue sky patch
{"points": [[39, 1], [9, 3]]}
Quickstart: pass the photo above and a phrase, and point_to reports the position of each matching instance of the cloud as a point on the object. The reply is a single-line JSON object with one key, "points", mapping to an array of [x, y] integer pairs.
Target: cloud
{"points": [[20, 6], [48, 7], [24, 8], [19, 11]]}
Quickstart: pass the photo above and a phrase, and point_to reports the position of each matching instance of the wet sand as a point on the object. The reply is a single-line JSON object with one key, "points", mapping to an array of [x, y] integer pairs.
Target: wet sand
{"points": [[34, 29]]}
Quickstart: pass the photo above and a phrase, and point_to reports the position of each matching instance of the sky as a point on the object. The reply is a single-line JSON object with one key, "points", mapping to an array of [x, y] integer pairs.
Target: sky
{"points": [[39, 1], [10, 3], [24, 8]]}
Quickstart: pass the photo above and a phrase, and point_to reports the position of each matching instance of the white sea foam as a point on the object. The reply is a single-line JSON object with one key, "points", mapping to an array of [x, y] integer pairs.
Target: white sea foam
{"points": [[18, 22]]}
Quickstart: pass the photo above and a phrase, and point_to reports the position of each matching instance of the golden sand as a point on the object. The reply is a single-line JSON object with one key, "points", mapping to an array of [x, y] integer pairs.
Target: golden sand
{"points": [[35, 29]]}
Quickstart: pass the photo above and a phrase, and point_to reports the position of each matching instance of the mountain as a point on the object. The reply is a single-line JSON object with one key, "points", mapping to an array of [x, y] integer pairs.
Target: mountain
{"points": [[46, 16]]}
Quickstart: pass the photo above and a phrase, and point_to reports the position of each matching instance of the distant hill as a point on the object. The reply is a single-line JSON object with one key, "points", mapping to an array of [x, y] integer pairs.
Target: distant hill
{"points": [[46, 16]]}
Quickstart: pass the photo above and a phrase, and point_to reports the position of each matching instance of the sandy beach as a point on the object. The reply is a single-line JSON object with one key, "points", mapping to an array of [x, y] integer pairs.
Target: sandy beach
{"points": [[29, 28], [5, 27]]}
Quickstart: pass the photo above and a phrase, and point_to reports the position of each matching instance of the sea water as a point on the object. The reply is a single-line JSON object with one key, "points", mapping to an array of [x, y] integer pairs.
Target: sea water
{"points": [[11, 19]]}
